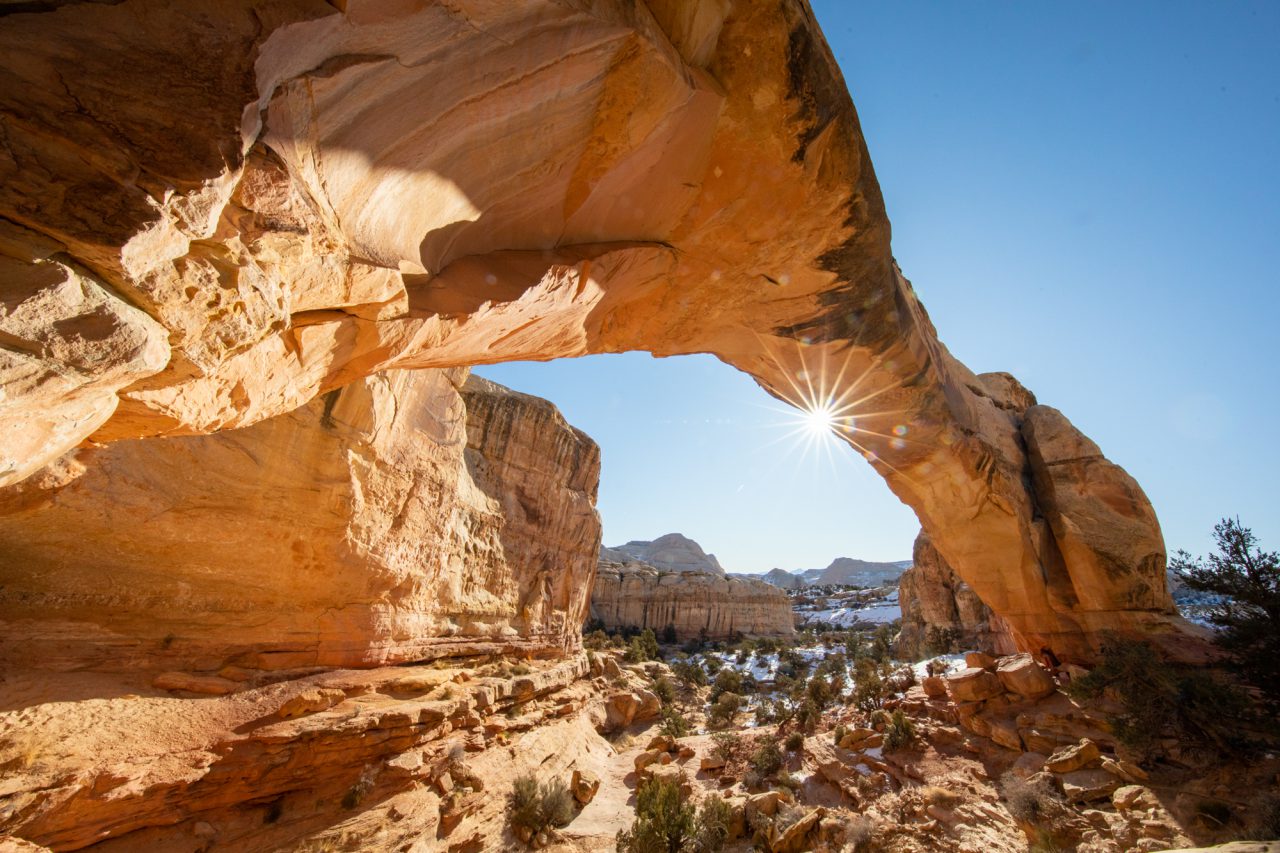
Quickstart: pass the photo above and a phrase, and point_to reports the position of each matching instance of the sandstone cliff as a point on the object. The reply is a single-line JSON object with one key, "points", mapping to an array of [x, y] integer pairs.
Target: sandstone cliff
{"points": [[696, 604], [937, 605], [398, 518], [672, 552], [214, 212]]}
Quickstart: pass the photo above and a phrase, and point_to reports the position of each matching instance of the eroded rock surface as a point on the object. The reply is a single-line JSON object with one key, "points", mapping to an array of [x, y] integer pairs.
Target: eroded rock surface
{"points": [[694, 604], [942, 613], [408, 515], [300, 194]]}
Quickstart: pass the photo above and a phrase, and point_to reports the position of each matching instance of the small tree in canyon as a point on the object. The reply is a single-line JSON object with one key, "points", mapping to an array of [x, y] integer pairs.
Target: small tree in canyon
{"points": [[1248, 616]]}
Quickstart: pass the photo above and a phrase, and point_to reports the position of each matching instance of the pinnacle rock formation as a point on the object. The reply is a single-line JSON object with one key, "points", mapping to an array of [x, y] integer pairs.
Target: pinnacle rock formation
{"points": [[672, 552], [406, 516], [696, 604], [212, 213], [938, 605]]}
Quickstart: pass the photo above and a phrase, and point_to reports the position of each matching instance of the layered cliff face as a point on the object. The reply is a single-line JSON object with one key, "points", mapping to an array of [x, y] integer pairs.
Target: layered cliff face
{"points": [[403, 517], [938, 608], [213, 212], [696, 604]]}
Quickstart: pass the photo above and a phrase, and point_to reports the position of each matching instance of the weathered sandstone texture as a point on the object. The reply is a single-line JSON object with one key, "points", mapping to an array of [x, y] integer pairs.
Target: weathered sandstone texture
{"points": [[401, 517], [673, 552], [937, 606], [215, 212], [696, 604]]}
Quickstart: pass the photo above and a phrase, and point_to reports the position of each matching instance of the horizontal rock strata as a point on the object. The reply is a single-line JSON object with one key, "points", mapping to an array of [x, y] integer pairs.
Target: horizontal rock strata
{"points": [[694, 604], [405, 516]]}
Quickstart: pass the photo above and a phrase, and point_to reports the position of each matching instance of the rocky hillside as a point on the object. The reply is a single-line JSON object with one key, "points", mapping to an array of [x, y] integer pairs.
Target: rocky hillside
{"points": [[406, 516], [941, 613], [696, 604], [671, 553]]}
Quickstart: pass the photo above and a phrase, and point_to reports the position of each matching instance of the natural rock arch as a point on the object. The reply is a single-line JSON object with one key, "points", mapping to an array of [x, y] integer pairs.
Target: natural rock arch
{"points": [[211, 212]]}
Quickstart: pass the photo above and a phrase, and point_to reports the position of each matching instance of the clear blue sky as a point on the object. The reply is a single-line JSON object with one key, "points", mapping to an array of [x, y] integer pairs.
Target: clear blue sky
{"points": [[1086, 195]]}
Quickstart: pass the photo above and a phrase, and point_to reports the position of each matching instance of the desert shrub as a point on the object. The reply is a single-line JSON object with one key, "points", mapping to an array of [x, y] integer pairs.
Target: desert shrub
{"points": [[900, 732], [726, 681], [669, 634], [794, 741], [786, 780], [879, 719], [1248, 615], [597, 640], [724, 709], [807, 715], [1158, 699], [664, 690], [674, 723], [767, 759], [728, 745], [860, 834], [689, 672], [839, 733], [520, 669], [357, 792], [764, 714], [1029, 802], [711, 827], [643, 647], [537, 807], [869, 687], [665, 822], [713, 665], [937, 666], [941, 641]]}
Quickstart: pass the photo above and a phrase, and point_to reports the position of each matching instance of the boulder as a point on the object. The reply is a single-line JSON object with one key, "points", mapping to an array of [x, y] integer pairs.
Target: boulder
{"points": [[644, 759], [711, 762], [620, 710], [973, 684], [859, 738], [665, 743], [1071, 758], [794, 838], [765, 804], [980, 660], [1124, 770], [1022, 675], [934, 686], [1028, 764], [584, 784], [1085, 786]]}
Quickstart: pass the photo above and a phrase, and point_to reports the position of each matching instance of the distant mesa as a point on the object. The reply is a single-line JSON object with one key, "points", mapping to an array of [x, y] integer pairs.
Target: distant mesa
{"points": [[673, 552]]}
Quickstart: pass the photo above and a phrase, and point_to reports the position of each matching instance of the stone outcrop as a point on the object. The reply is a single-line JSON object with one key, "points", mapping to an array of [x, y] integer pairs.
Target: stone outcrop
{"points": [[671, 553], [300, 194], [696, 604], [406, 516], [939, 608]]}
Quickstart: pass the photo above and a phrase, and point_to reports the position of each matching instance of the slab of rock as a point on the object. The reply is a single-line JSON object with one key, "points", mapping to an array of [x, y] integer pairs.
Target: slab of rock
{"points": [[211, 685], [711, 762], [1084, 786], [794, 838], [973, 684], [981, 660], [1022, 675], [1068, 759], [1028, 764], [311, 702]]}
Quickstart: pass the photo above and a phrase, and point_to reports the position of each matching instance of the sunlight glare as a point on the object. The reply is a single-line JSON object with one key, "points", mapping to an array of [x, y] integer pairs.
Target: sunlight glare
{"points": [[820, 420]]}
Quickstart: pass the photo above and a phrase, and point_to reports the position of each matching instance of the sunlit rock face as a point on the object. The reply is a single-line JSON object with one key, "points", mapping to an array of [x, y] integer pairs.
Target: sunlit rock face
{"points": [[299, 194], [938, 608], [694, 604], [673, 552], [405, 516]]}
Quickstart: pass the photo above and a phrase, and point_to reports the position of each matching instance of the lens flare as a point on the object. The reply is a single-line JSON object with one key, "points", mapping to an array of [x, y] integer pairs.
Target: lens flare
{"points": [[820, 420]]}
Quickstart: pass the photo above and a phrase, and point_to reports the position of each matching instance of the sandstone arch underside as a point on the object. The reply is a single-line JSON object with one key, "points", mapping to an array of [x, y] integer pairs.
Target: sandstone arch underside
{"points": [[212, 212]]}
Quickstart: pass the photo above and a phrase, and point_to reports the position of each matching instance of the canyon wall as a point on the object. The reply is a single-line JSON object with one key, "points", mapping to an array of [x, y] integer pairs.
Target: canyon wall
{"points": [[405, 516], [938, 608], [696, 604], [212, 213]]}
